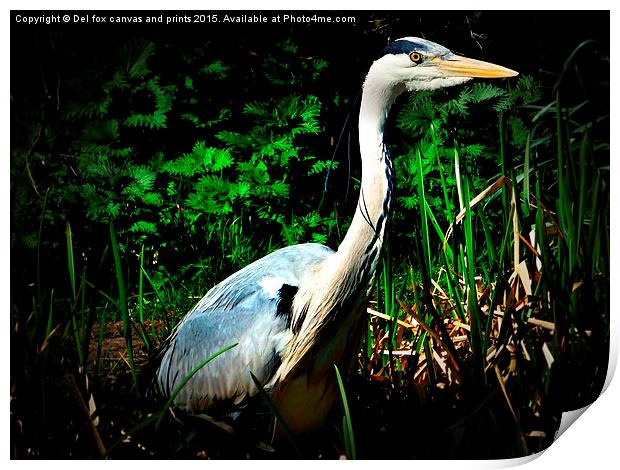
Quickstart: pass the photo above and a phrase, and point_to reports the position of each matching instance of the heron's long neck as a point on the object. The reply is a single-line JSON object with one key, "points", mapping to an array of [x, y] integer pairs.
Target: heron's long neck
{"points": [[330, 299], [362, 244]]}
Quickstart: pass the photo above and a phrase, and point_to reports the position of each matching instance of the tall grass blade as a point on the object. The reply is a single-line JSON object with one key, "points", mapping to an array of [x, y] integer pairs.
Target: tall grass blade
{"points": [[594, 239], [88, 313], [581, 205], [39, 244], [569, 61], [122, 303], [187, 378], [526, 177], [71, 268], [424, 219], [279, 419], [472, 301], [505, 170], [50, 318], [388, 300], [457, 175], [70, 261], [140, 291], [488, 238], [159, 298], [141, 328], [449, 207], [438, 231], [347, 425]]}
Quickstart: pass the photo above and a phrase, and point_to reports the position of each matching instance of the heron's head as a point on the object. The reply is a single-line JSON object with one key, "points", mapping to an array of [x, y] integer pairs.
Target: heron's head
{"points": [[418, 64]]}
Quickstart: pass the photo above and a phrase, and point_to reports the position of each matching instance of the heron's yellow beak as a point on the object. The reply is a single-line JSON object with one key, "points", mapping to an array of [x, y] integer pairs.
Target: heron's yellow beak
{"points": [[457, 66]]}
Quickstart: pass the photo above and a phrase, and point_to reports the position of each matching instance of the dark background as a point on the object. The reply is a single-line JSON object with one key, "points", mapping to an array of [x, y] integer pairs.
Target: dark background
{"points": [[531, 42]]}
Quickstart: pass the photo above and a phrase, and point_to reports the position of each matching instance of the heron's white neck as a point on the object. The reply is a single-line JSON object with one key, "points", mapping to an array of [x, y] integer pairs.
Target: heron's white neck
{"points": [[333, 295], [364, 238], [345, 277]]}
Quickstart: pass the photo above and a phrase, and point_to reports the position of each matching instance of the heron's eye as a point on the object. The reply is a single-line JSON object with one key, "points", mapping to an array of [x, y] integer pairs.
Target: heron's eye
{"points": [[416, 57]]}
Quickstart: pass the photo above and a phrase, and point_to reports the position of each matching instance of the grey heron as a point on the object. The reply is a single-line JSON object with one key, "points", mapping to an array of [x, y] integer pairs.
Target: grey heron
{"points": [[296, 312]]}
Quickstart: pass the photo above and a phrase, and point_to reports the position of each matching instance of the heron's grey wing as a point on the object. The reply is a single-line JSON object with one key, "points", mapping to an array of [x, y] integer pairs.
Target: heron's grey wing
{"points": [[251, 308]]}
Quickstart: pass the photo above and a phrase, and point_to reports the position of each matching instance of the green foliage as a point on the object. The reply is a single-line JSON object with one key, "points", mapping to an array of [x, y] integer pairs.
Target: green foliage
{"points": [[438, 125], [222, 189]]}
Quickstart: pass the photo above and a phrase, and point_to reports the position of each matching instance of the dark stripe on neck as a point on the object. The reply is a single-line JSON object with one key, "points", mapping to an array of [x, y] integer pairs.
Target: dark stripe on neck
{"points": [[387, 201]]}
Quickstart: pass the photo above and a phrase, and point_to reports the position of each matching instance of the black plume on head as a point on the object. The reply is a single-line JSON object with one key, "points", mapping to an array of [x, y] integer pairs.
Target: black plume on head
{"points": [[412, 44], [402, 46]]}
